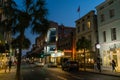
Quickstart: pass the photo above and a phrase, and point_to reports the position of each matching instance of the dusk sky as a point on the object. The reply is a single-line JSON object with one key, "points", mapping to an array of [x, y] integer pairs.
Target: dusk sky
{"points": [[65, 11]]}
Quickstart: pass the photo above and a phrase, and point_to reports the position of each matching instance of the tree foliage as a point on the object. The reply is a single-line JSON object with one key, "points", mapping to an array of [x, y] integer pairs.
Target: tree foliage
{"points": [[83, 43], [26, 43]]}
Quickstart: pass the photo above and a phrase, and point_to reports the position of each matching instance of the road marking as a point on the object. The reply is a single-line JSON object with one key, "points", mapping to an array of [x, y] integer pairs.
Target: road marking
{"points": [[61, 77]]}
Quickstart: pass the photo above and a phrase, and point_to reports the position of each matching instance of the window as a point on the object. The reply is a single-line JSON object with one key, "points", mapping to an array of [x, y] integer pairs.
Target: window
{"points": [[52, 39], [83, 27], [52, 48], [53, 33], [104, 36], [111, 13], [90, 37], [88, 24], [101, 7], [110, 2], [83, 20], [88, 17], [102, 17], [53, 36], [78, 29], [113, 34]]}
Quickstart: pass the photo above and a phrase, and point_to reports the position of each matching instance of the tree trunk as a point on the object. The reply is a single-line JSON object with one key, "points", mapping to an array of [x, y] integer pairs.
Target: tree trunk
{"points": [[18, 72]]}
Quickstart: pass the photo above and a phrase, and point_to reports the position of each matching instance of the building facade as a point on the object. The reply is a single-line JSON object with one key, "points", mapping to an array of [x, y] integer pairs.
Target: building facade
{"points": [[50, 43], [109, 27], [5, 37], [86, 27], [66, 41], [58, 43]]}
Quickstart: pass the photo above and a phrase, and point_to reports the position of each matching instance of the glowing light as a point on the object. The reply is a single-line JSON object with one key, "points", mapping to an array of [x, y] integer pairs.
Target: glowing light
{"points": [[67, 50], [98, 46]]}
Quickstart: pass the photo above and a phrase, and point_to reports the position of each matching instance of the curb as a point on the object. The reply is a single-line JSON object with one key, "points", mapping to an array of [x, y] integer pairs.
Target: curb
{"points": [[103, 73]]}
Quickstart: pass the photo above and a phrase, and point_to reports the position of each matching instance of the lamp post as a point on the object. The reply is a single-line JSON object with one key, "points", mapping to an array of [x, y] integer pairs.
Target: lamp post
{"points": [[98, 47], [98, 58], [45, 51]]}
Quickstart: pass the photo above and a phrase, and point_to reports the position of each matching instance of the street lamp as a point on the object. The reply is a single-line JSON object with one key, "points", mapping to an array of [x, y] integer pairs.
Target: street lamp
{"points": [[45, 51], [98, 58], [98, 47]]}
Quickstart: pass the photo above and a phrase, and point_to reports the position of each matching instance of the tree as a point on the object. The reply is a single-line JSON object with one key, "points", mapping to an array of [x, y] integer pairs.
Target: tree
{"points": [[33, 15], [2, 48], [8, 11], [15, 44], [26, 43], [40, 23], [83, 44]]}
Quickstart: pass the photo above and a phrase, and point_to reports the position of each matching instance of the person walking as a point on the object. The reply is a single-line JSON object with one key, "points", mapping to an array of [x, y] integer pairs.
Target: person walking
{"points": [[10, 65], [5, 65], [99, 64], [113, 65], [95, 66]]}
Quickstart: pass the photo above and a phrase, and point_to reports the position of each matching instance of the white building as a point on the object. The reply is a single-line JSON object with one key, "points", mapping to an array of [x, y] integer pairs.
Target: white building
{"points": [[109, 32]]}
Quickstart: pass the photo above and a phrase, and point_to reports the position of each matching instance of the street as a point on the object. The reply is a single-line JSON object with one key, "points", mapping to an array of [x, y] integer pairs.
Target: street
{"points": [[30, 72]]}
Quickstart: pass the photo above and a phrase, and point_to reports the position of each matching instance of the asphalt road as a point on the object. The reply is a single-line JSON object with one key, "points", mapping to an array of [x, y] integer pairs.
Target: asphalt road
{"points": [[30, 72]]}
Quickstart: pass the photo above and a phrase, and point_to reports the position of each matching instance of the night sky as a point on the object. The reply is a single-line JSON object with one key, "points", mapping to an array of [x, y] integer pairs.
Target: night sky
{"points": [[65, 11]]}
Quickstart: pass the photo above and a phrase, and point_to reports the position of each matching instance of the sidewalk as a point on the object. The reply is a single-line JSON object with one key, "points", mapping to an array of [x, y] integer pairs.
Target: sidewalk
{"points": [[8, 75], [103, 72]]}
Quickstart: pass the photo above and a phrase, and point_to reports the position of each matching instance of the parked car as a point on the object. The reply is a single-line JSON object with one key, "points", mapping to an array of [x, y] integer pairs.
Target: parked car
{"points": [[70, 65], [52, 64], [39, 64]]}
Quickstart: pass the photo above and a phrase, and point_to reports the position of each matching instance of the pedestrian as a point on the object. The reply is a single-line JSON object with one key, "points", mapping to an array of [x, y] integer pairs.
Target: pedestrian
{"points": [[95, 65], [0, 65], [99, 64], [10, 65], [113, 65], [5, 65]]}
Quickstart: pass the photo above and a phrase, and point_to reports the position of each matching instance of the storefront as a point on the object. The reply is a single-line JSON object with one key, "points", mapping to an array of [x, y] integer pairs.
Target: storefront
{"points": [[87, 58], [108, 53]]}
